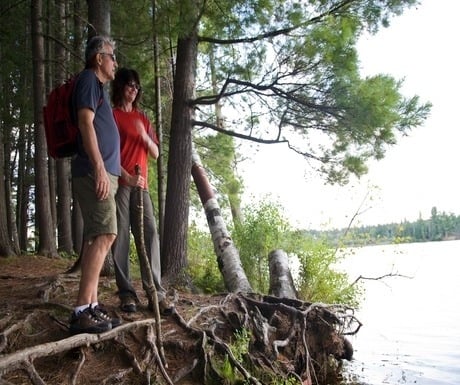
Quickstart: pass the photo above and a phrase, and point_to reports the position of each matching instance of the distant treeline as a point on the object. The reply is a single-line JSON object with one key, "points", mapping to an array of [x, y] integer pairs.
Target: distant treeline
{"points": [[439, 227]]}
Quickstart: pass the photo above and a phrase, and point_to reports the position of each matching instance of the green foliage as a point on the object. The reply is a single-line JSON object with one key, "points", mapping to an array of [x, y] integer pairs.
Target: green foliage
{"points": [[307, 87], [261, 230], [219, 155], [319, 280], [239, 348], [202, 266], [264, 229], [284, 381], [439, 226]]}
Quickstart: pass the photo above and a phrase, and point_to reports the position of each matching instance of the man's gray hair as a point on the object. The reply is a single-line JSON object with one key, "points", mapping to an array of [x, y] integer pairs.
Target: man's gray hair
{"points": [[94, 46]]}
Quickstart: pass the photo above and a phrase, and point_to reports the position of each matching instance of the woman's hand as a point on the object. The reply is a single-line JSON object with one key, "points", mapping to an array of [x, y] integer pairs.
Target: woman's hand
{"points": [[135, 180], [142, 133]]}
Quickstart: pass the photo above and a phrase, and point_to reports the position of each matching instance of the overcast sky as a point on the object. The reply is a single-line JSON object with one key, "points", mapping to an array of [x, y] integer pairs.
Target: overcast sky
{"points": [[422, 170]]}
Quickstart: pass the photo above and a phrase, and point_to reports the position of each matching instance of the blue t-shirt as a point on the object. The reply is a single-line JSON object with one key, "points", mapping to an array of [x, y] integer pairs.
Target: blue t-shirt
{"points": [[89, 93]]}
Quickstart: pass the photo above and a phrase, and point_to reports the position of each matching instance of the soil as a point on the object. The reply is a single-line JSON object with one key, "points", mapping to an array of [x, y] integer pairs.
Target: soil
{"points": [[197, 344]]}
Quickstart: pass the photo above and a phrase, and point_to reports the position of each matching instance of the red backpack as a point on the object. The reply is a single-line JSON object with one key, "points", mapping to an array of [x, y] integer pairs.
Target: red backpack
{"points": [[60, 121]]}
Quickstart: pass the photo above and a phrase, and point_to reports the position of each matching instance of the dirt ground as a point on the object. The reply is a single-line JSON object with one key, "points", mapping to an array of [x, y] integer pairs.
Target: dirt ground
{"points": [[191, 348]]}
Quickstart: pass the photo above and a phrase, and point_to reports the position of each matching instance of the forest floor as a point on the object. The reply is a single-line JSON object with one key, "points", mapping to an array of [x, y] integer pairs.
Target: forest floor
{"points": [[197, 344]]}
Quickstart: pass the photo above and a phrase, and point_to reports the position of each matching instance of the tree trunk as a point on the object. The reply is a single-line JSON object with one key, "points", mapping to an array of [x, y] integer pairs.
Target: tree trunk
{"points": [[99, 24], [161, 180], [78, 28], [23, 184], [62, 169], [6, 248], [99, 18], [46, 234], [174, 248], [228, 257], [64, 217], [281, 282], [9, 194]]}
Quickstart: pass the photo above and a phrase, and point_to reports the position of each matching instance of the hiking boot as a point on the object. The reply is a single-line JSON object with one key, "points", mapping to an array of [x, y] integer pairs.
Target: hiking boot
{"points": [[128, 304], [88, 322], [104, 315], [165, 307]]}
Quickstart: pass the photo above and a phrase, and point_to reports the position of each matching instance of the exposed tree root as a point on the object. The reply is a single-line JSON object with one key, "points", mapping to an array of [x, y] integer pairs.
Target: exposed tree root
{"points": [[286, 338], [228, 338]]}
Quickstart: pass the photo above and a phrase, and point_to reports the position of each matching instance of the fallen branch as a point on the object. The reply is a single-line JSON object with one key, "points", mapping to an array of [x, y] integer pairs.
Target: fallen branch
{"points": [[17, 326], [13, 361], [361, 277]]}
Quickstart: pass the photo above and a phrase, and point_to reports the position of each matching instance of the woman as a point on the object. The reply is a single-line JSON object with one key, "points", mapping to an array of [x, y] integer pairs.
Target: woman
{"points": [[137, 141]]}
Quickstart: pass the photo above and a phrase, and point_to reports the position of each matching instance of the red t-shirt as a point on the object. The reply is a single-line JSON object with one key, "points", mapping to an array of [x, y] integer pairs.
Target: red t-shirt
{"points": [[133, 149]]}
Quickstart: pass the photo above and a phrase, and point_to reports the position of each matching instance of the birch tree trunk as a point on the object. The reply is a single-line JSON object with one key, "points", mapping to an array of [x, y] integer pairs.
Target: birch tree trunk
{"points": [[228, 257], [281, 282]]}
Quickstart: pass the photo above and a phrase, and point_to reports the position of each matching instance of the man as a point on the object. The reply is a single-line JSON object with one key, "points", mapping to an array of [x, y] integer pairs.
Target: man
{"points": [[95, 172]]}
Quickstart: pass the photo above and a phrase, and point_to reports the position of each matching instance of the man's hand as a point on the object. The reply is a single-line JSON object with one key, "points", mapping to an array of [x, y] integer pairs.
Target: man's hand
{"points": [[102, 183]]}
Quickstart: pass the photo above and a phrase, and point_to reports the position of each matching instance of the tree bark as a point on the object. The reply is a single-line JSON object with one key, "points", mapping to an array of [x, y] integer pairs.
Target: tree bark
{"points": [[62, 166], [227, 254], [23, 184], [46, 234], [99, 24], [78, 28], [174, 248], [161, 179], [6, 248], [281, 282], [99, 18]]}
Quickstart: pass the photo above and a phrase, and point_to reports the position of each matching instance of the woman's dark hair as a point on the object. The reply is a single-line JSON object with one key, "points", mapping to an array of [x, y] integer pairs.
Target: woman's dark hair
{"points": [[122, 77]]}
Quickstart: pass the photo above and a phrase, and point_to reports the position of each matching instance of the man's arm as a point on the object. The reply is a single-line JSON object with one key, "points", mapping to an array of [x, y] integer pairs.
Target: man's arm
{"points": [[90, 144]]}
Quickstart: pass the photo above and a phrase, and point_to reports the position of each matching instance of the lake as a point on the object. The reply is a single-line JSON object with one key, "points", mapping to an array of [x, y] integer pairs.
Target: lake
{"points": [[411, 326]]}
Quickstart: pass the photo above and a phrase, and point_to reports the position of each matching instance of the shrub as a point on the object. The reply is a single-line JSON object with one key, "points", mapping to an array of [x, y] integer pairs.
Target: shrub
{"points": [[202, 266]]}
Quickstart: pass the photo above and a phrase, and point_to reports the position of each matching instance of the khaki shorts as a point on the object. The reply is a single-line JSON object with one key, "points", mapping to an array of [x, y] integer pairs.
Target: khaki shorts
{"points": [[99, 216]]}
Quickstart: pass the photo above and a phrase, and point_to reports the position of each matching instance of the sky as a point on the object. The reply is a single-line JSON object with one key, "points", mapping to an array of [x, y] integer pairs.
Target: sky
{"points": [[420, 172]]}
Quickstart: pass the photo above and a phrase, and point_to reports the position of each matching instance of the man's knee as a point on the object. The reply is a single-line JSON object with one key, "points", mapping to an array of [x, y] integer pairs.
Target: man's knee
{"points": [[103, 239], [110, 238]]}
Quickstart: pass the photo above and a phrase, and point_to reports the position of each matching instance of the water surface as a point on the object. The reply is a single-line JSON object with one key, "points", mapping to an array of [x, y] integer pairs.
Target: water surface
{"points": [[411, 331]]}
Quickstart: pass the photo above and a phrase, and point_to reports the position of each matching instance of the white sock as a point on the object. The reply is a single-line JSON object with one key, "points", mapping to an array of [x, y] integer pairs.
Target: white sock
{"points": [[81, 308], [94, 304]]}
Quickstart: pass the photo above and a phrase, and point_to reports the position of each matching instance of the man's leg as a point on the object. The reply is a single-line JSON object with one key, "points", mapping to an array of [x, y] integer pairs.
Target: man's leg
{"points": [[92, 261], [100, 228]]}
